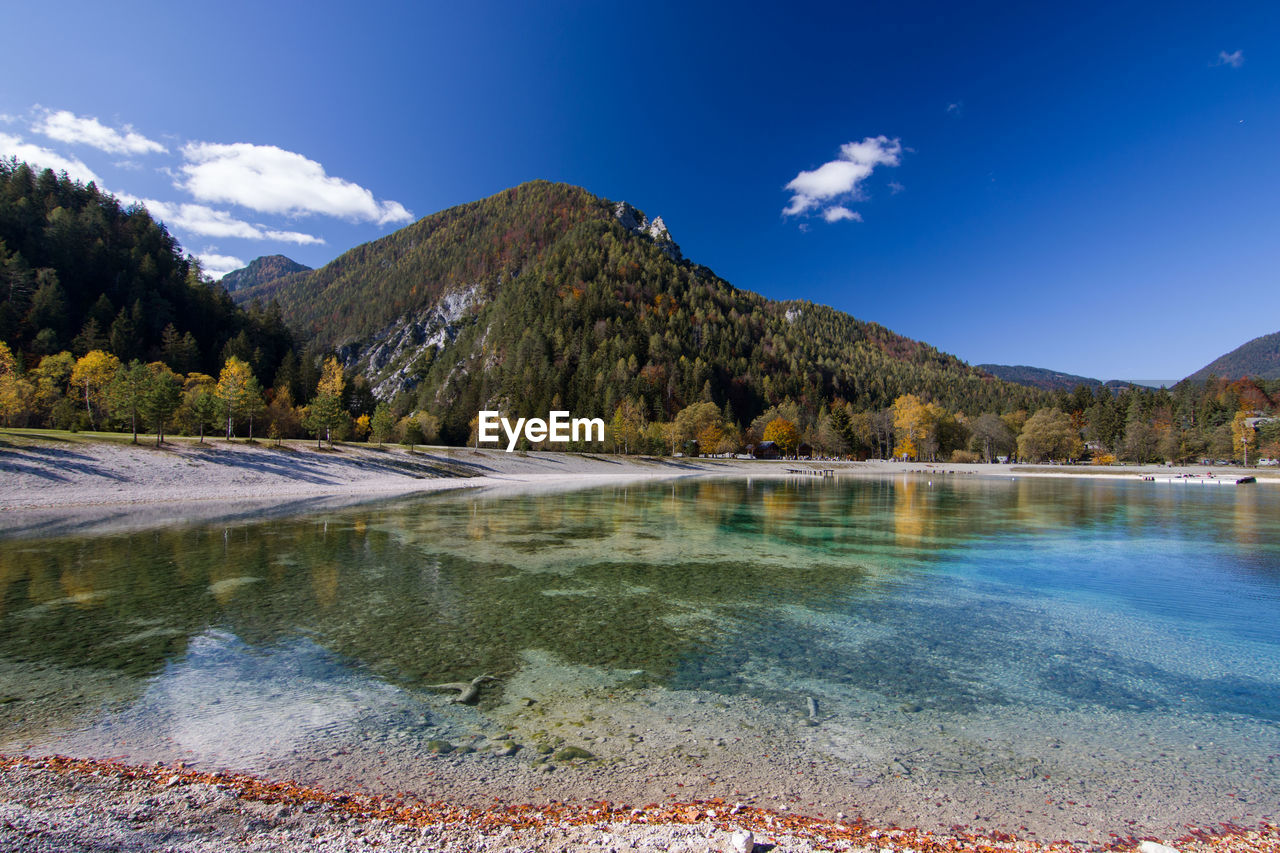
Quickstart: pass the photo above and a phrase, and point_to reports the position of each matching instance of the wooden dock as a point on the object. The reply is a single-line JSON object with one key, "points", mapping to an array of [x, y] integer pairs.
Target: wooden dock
{"points": [[813, 472], [1202, 480]]}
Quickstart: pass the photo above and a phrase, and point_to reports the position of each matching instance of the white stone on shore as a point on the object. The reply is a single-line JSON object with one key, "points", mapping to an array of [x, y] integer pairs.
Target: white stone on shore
{"points": [[1153, 847], [742, 841]]}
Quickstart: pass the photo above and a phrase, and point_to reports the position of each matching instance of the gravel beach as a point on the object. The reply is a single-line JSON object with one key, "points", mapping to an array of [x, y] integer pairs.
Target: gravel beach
{"points": [[56, 804]]}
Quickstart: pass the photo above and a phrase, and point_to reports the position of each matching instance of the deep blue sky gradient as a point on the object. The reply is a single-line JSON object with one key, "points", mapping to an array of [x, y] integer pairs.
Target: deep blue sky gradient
{"points": [[1103, 198]]}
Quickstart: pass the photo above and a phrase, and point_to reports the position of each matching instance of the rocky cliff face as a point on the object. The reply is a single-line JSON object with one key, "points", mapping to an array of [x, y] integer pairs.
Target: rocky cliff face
{"points": [[397, 354], [656, 230]]}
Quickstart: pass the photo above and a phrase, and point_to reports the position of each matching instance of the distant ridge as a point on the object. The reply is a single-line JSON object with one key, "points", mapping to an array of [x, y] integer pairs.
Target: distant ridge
{"points": [[1039, 377], [260, 271], [1259, 357], [1054, 380]]}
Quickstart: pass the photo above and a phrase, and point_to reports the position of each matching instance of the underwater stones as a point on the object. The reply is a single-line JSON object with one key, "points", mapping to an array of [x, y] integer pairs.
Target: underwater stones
{"points": [[506, 749], [468, 692], [440, 747], [569, 753]]}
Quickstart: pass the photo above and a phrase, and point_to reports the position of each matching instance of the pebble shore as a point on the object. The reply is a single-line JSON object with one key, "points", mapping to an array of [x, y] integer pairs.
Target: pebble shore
{"points": [[54, 803]]}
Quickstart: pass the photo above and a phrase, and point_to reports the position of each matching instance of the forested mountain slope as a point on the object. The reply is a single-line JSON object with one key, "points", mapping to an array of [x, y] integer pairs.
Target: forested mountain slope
{"points": [[1040, 377], [547, 296], [1259, 357], [79, 272]]}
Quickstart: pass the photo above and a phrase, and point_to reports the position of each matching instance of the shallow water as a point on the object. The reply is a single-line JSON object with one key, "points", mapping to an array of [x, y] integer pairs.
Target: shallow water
{"points": [[1068, 632]]}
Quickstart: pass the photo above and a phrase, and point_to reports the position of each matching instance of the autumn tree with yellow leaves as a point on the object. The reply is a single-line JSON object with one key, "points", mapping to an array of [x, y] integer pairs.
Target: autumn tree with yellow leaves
{"points": [[237, 391], [325, 412], [913, 423], [783, 433], [92, 375], [12, 392]]}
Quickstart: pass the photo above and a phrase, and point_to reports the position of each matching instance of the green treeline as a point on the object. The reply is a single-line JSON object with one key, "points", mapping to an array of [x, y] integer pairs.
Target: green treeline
{"points": [[79, 272]]}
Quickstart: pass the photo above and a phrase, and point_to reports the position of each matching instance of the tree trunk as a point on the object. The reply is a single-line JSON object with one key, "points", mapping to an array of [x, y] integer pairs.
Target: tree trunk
{"points": [[134, 419]]}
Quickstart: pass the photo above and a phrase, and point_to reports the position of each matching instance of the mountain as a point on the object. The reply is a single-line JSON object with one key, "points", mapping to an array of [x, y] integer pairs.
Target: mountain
{"points": [[1053, 380], [545, 296], [261, 271], [79, 272], [1259, 357], [1039, 377]]}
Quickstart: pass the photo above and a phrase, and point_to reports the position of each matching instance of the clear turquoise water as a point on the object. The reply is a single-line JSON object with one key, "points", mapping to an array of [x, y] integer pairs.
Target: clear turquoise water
{"points": [[960, 598]]}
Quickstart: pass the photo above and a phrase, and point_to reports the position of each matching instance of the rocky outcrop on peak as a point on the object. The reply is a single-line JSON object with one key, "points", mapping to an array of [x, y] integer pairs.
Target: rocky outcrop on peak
{"points": [[656, 230]]}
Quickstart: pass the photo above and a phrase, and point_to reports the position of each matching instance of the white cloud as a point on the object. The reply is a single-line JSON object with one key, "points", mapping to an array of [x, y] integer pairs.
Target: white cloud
{"points": [[1235, 59], [839, 212], [202, 220], [218, 265], [842, 177], [209, 222], [956, 108], [35, 156], [66, 126], [294, 237], [271, 180]]}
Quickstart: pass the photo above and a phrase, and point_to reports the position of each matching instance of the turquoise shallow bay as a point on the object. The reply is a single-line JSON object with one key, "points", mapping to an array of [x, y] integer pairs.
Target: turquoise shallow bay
{"points": [[956, 617]]}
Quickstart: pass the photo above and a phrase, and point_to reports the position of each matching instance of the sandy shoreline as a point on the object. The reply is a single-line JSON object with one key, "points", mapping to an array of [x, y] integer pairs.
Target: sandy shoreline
{"points": [[40, 472]]}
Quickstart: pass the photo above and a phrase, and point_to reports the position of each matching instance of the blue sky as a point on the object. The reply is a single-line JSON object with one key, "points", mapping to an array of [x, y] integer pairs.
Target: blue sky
{"points": [[1092, 188]]}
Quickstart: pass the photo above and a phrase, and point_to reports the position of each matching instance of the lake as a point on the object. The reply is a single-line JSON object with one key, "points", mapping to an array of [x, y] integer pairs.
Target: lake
{"points": [[1063, 658]]}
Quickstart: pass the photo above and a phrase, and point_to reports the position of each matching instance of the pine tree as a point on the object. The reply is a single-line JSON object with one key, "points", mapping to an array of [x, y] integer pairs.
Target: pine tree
{"points": [[382, 424], [161, 397], [127, 391]]}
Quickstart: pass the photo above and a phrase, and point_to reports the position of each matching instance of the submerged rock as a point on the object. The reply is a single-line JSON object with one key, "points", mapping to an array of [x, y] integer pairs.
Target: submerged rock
{"points": [[571, 752]]}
